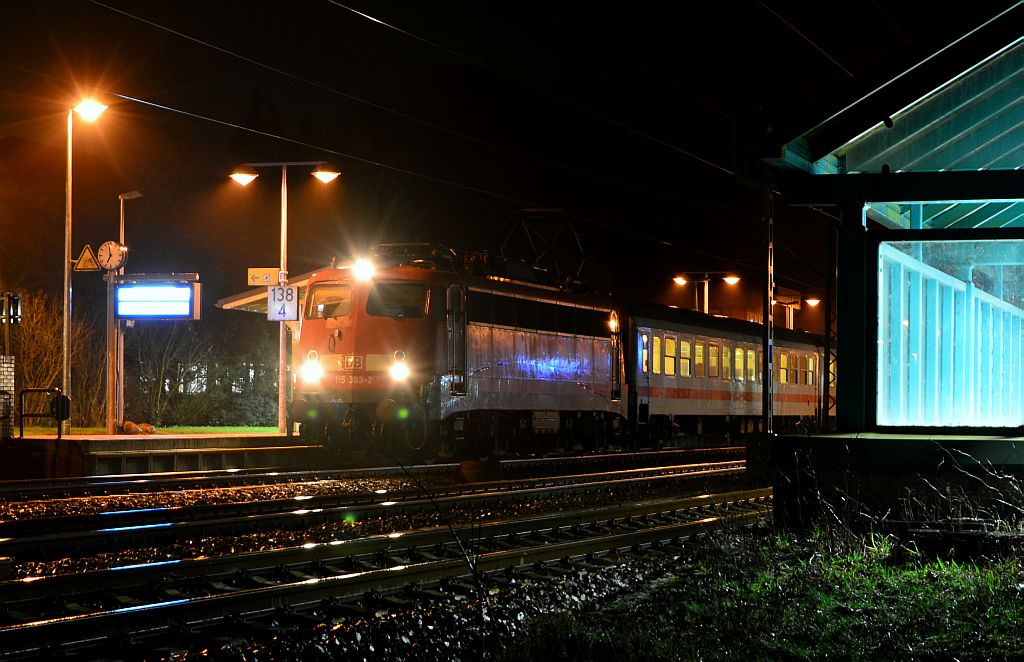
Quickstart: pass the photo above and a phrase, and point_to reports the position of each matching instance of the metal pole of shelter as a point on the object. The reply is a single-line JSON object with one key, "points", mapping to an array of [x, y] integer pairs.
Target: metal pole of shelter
{"points": [[66, 333], [119, 334], [111, 353], [282, 349], [769, 321], [115, 338]]}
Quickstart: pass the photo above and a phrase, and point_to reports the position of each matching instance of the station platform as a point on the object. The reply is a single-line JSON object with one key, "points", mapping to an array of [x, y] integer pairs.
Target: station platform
{"points": [[45, 456], [849, 478]]}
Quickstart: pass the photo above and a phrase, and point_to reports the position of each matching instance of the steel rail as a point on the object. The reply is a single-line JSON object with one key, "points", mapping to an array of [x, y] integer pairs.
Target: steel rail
{"points": [[135, 527], [535, 540], [109, 485]]}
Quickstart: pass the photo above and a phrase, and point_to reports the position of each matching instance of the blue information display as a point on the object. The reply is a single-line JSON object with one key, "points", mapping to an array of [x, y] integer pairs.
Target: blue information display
{"points": [[157, 300]]}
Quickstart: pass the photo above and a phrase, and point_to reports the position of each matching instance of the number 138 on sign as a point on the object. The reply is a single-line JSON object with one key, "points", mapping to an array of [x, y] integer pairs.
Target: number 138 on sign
{"points": [[282, 303]]}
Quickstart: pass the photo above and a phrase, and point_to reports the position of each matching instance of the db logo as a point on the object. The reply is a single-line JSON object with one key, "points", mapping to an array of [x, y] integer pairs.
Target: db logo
{"points": [[352, 362]]}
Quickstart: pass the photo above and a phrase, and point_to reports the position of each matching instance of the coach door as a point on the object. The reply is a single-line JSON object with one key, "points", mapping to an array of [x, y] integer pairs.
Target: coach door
{"points": [[616, 351], [643, 370], [455, 320]]}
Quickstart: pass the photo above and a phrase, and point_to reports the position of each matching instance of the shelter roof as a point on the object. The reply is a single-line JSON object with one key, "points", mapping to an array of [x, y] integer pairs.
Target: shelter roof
{"points": [[961, 109]]}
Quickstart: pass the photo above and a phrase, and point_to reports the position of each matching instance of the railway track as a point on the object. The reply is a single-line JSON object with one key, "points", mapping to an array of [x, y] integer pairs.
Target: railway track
{"points": [[57, 488], [50, 538], [25, 490], [149, 606]]}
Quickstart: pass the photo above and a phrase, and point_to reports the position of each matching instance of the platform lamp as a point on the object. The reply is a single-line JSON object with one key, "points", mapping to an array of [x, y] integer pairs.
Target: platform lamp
{"points": [[89, 110], [244, 175], [728, 277]]}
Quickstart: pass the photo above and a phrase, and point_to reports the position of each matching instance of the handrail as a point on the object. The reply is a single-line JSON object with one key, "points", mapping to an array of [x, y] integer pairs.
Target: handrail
{"points": [[53, 390]]}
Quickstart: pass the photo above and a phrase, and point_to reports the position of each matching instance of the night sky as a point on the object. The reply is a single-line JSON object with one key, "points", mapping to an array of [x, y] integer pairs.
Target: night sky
{"points": [[642, 121]]}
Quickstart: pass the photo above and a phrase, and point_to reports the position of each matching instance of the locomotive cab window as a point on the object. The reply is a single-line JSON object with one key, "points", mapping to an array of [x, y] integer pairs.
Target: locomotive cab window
{"points": [[328, 300], [405, 300]]}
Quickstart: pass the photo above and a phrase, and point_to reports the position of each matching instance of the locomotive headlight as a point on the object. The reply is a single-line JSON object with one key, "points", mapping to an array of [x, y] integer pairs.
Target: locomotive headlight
{"points": [[399, 369], [362, 269], [311, 371]]}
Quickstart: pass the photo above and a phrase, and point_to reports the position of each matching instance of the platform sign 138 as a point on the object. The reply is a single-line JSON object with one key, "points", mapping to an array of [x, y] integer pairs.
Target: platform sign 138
{"points": [[282, 303]]}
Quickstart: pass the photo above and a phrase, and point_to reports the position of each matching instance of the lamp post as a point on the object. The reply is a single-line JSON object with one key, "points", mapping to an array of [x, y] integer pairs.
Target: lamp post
{"points": [[89, 110], [728, 277], [244, 175], [115, 338]]}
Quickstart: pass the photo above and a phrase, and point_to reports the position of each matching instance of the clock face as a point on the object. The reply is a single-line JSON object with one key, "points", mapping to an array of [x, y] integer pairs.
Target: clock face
{"points": [[110, 255]]}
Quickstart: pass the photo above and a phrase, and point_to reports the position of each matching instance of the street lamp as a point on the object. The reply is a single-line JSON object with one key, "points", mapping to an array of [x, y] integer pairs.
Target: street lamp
{"points": [[790, 301], [89, 110], [728, 277], [244, 175], [115, 338]]}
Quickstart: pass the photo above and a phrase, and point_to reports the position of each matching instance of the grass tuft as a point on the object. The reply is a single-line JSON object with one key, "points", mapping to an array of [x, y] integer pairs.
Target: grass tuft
{"points": [[767, 595]]}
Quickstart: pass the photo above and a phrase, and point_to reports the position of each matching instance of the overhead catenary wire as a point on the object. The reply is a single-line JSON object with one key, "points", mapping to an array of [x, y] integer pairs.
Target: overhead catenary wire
{"points": [[806, 38], [438, 180], [393, 111], [621, 54], [561, 99], [327, 150], [408, 172], [405, 171]]}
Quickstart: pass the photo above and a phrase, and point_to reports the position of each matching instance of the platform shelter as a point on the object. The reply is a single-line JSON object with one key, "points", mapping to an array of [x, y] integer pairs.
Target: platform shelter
{"points": [[926, 172]]}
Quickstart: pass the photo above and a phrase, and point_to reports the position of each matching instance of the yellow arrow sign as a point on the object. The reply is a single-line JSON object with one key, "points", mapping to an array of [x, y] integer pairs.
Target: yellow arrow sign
{"points": [[263, 276], [87, 260]]}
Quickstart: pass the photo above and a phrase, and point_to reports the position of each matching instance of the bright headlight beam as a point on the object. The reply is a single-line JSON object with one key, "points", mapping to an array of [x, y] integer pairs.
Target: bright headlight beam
{"points": [[311, 371], [362, 269], [399, 371]]}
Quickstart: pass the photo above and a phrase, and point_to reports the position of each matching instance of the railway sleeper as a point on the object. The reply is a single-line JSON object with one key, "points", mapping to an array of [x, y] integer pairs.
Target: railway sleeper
{"points": [[337, 610], [283, 573], [286, 616]]}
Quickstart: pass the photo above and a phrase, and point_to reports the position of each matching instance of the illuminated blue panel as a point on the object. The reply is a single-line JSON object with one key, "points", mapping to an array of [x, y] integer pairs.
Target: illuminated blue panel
{"points": [[157, 301], [950, 333]]}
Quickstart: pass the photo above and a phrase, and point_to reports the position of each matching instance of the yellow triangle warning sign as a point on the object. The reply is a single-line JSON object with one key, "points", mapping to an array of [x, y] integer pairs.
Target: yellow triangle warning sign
{"points": [[87, 260]]}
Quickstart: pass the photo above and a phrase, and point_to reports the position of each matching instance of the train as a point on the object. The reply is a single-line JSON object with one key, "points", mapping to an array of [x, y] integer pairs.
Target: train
{"points": [[424, 350]]}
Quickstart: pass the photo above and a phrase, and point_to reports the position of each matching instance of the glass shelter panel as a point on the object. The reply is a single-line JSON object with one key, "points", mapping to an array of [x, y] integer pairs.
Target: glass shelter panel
{"points": [[950, 333]]}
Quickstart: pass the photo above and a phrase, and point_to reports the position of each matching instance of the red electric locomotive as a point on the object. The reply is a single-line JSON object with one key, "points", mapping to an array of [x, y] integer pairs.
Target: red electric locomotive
{"points": [[431, 351], [458, 356]]}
